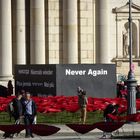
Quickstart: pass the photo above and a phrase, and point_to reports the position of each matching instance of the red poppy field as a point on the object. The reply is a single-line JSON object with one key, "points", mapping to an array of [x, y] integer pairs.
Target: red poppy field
{"points": [[64, 109]]}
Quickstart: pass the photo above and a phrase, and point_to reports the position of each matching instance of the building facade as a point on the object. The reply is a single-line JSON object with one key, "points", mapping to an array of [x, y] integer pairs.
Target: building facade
{"points": [[67, 32]]}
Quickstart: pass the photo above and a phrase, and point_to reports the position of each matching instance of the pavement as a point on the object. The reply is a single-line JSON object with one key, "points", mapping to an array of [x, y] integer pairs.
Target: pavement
{"points": [[128, 131]]}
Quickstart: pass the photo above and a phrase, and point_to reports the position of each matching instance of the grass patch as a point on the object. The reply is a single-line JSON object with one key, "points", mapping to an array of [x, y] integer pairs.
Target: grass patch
{"points": [[58, 118]]}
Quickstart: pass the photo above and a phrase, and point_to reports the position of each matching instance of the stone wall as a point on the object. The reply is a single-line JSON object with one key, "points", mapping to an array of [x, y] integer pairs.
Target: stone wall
{"points": [[20, 44], [86, 31], [54, 26], [54, 31]]}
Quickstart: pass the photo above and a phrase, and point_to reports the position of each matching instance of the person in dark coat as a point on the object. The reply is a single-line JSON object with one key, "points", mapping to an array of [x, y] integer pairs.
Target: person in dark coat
{"points": [[30, 112], [15, 110], [110, 109], [17, 107], [138, 92], [120, 87], [9, 88]]}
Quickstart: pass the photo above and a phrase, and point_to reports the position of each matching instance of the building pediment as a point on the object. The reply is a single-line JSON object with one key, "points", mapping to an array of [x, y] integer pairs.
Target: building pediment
{"points": [[125, 8]]}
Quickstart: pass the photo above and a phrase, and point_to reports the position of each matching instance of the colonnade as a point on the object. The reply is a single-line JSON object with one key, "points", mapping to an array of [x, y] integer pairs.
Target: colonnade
{"points": [[37, 33]]}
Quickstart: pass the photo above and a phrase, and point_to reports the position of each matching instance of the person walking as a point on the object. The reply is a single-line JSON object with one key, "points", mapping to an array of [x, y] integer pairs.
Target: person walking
{"points": [[15, 110], [30, 112]]}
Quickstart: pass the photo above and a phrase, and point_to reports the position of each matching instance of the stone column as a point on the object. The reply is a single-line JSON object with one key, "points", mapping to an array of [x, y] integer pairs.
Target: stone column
{"points": [[5, 40], [102, 30], [37, 31], [70, 32], [20, 32]]}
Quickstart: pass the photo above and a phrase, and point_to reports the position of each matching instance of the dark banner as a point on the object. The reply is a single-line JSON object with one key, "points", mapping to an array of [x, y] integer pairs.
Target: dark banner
{"points": [[40, 80], [99, 80]]}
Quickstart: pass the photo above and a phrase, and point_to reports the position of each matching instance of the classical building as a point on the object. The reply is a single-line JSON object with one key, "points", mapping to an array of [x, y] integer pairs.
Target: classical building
{"points": [[67, 31]]}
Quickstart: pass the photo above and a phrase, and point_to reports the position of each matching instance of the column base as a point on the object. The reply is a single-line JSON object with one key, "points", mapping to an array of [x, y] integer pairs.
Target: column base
{"points": [[4, 79], [131, 98]]}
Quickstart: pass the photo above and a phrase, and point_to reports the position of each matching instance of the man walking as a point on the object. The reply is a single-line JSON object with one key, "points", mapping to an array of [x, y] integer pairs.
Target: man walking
{"points": [[15, 110], [29, 109]]}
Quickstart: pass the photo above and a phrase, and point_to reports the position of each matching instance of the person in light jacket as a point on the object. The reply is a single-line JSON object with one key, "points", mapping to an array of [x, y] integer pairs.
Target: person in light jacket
{"points": [[30, 112]]}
